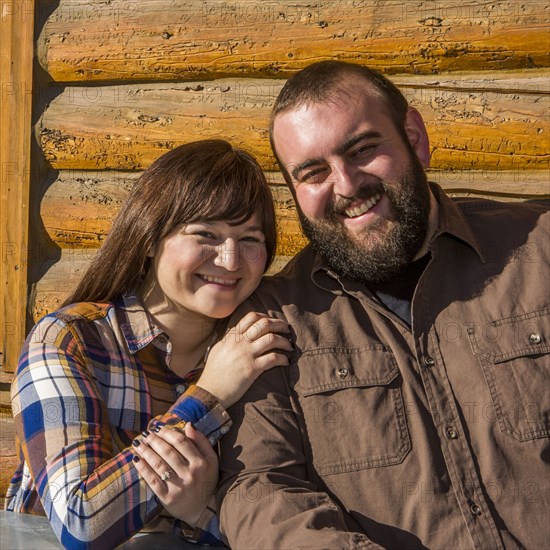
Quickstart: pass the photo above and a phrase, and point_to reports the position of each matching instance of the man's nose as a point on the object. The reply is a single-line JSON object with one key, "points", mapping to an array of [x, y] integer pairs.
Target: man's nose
{"points": [[346, 179], [228, 255]]}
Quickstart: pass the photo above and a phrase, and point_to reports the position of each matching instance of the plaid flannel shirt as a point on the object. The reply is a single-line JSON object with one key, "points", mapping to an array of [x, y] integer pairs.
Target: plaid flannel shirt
{"points": [[91, 378]]}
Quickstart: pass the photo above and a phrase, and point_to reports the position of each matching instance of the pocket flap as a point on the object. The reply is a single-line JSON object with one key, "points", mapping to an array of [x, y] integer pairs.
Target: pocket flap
{"points": [[327, 369], [514, 336]]}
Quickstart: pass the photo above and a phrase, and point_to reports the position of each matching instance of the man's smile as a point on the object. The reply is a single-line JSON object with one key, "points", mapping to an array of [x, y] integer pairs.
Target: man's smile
{"points": [[356, 211]]}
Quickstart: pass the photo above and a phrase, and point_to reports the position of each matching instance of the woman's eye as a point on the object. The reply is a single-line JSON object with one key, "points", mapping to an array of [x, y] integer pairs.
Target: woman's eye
{"points": [[205, 234], [251, 240]]}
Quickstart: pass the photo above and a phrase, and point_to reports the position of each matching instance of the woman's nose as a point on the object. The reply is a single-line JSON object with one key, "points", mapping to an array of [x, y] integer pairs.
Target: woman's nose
{"points": [[228, 255]]}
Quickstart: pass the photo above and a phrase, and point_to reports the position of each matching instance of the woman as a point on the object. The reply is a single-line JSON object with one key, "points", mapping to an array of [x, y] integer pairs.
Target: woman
{"points": [[113, 409]]}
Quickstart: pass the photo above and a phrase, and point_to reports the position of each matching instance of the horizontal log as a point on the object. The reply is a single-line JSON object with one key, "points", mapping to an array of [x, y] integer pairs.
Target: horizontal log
{"points": [[495, 121], [90, 200], [85, 40], [62, 277]]}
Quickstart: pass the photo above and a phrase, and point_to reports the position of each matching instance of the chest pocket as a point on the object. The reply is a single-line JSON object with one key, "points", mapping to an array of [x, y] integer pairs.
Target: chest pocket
{"points": [[514, 355], [353, 408]]}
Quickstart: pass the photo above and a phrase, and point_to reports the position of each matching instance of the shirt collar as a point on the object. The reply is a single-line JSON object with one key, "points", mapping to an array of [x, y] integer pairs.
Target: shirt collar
{"points": [[136, 324], [323, 277], [451, 221]]}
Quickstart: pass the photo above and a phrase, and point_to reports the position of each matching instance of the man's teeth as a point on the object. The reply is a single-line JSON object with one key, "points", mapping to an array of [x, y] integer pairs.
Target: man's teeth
{"points": [[365, 207], [219, 281]]}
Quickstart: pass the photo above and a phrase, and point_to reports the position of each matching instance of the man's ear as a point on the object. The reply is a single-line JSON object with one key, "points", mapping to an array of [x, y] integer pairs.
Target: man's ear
{"points": [[418, 136]]}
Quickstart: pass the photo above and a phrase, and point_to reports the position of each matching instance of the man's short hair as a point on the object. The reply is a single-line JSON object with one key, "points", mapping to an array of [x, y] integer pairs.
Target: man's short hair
{"points": [[325, 80]]}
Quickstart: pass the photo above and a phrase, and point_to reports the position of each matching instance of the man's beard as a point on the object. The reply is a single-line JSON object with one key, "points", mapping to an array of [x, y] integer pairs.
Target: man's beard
{"points": [[375, 257]]}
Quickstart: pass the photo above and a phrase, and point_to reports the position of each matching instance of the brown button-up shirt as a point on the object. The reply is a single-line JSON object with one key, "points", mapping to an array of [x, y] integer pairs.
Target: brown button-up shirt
{"points": [[433, 435]]}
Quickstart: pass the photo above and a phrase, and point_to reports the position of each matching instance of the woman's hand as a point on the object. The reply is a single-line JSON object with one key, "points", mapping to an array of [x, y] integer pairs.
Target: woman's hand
{"points": [[180, 468], [247, 350]]}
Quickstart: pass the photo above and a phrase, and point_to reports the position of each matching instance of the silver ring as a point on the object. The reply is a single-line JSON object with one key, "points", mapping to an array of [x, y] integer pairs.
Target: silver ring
{"points": [[165, 476]]}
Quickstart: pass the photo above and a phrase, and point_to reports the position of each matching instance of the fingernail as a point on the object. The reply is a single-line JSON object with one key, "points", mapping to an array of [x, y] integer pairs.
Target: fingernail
{"points": [[145, 433], [136, 458], [136, 442], [191, 424], [156, 429]]}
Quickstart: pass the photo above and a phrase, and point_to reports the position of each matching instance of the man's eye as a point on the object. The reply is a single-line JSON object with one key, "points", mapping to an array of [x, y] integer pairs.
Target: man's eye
{"points": [[362, 151], [315, 176], [251, 240]]}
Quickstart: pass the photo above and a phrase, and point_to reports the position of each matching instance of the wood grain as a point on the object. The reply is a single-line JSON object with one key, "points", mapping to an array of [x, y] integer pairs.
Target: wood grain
{"points": [[490, 121], [16, 66], [86, 40], [90, 200], [8, 454]]}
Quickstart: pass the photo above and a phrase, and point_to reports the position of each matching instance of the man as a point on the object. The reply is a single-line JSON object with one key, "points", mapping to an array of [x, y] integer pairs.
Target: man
{"points": [[416, 410]]}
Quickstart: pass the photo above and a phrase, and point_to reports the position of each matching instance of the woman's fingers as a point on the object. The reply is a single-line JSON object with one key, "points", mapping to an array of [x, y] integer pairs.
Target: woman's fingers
{"points": [[271, 341], [150, 476], [151, 467], [180, 468], [202, 443], [265, 326], [253, 325], [231, 364], [173, 448], [270, 360], [248, 320]]}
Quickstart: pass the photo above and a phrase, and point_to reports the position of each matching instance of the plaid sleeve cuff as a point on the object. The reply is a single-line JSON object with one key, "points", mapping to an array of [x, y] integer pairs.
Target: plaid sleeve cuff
{"points": [[202, 409]]}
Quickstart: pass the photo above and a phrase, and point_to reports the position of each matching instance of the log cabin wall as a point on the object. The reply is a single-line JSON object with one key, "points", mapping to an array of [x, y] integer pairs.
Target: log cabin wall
{"points": [[130, 80], [119, 82]]}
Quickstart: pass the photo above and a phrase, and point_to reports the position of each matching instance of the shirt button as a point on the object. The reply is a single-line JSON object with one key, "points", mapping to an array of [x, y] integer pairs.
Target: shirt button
{"points": [[342, 372], [535, 338], [451, 433], [180, 388], [429, 361], [475, 510], [224, 429]]}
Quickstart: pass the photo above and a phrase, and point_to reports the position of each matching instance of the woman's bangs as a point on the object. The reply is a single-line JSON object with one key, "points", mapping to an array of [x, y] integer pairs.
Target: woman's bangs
{"points": [[238, 190]]}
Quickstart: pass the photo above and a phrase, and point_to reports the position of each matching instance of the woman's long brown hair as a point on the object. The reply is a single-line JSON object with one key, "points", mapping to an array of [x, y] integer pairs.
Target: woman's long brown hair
{"points": [[204, 180]]}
